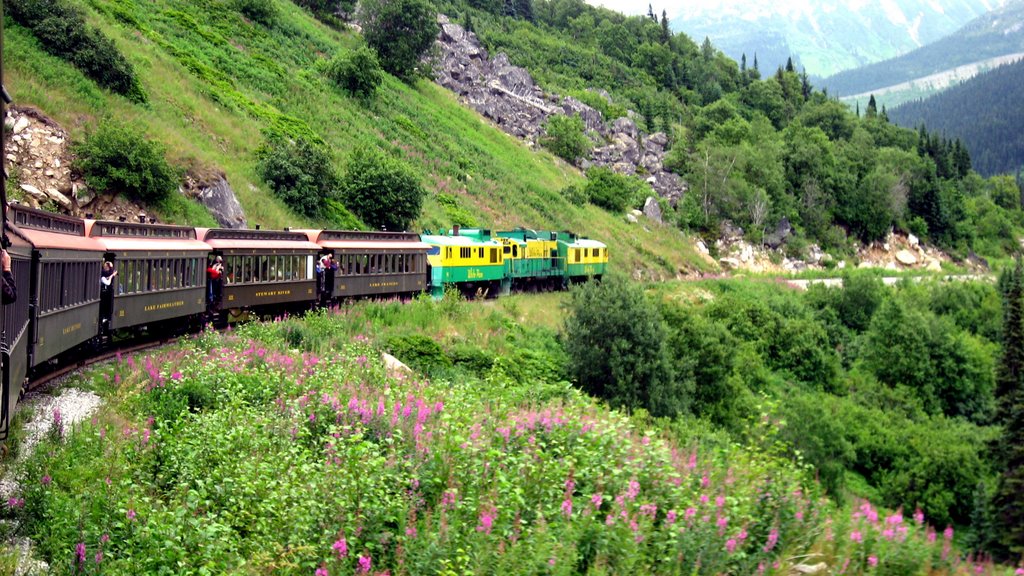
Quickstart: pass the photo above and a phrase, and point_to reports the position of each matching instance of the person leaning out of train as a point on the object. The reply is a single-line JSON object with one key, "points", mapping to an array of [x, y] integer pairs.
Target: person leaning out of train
{"points": [[107, 275], [10, 291], [215, 277], [330, 268]]}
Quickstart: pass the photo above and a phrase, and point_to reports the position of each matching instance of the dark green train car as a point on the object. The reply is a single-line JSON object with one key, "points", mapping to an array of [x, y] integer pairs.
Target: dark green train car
{"points": [[265, 269], [531, 259], [65, 273], [468, 259], [374, 263], [584, 258], [160, 273]]}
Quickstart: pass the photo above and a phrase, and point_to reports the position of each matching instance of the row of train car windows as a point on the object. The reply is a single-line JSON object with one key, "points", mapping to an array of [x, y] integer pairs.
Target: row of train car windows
{"points": [[146, 275], [352, 264], [272, 268], [64, 284], [468, 253]]}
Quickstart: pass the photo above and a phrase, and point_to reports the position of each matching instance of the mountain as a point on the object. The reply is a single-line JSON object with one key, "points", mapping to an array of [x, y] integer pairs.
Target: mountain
{"points": [[824, 37], [984, 113], [988, 41]]}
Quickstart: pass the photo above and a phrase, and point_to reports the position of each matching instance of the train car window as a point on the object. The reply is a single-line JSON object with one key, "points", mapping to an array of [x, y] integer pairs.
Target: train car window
{"points": [[402, 263], [280, 267], [244, 269], [494, 255], [577, 255]]}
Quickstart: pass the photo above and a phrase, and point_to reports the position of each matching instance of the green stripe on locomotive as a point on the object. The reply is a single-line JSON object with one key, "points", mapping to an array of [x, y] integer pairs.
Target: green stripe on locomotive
{"points": [[468, 256]]}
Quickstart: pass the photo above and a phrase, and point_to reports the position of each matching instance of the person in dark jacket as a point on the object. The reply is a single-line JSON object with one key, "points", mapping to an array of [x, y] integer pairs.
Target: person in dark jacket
{"points": [[10, 290]]}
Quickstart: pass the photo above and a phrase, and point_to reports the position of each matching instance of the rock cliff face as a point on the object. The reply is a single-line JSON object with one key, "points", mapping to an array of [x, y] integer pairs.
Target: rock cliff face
{"points": [[508, 96], [39, 159]]}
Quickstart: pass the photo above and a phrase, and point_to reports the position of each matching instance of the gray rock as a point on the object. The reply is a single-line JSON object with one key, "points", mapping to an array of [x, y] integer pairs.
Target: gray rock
{"points": [[778, 237], [652, 210], [625, 126], [221, 201]]}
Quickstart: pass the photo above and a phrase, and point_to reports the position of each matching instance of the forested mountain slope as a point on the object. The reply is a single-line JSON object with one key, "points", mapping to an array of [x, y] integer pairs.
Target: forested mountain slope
{"points": [[997, 33], [984, 112]]}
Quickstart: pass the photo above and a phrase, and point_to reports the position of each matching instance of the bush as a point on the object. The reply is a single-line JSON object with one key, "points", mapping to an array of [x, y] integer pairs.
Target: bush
{"points": [[63, 32], [300, 172], [401, 31], [116, 157], [384, 192], [565, 138], [616, 343], [358, 71], [262, 11], [611, 191]]}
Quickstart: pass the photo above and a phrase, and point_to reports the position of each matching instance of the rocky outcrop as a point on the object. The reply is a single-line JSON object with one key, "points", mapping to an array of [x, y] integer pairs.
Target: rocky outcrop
{"points": [[39, 160], [508, 96], [215, 193]]}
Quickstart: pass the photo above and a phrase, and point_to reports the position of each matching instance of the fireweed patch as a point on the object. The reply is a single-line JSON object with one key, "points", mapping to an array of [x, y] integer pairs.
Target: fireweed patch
{"points": [[235, 452]]}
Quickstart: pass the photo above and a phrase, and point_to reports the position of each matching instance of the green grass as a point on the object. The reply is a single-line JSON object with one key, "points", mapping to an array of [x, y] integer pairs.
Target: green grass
{"points": [[216, 82]]}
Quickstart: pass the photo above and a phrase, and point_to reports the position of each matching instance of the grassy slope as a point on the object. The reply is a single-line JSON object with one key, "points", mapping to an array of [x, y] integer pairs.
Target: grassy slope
{"points": [[215, 81]]}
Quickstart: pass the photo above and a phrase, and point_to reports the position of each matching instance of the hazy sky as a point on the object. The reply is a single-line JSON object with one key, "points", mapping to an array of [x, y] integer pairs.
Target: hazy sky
{"points": [[627, 7]]}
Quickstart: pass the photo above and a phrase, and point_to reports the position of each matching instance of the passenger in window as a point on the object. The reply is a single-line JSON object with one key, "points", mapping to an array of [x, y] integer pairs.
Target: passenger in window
{"points": [[215, 282], [10, 290], [330, 268], [107, 275]]}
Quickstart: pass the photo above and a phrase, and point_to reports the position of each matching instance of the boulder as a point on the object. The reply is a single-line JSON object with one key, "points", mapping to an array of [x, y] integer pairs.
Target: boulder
{"points": [[220, 200], [906, 257], [20, 124], [625, 126], [778, 237], [933, 265], [730, 263], [652, 210], [631, 219], [913, 240], [810, 569]]}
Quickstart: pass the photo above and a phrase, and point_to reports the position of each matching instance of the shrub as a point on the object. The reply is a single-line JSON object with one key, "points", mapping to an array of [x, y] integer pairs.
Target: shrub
{"points": [[300, 172], [401, 31], [358, 71], [116, 157], [384, 192], [611, 191], [616, 343], [63, 32], [418, 351], [262, 11], [564, 136]]}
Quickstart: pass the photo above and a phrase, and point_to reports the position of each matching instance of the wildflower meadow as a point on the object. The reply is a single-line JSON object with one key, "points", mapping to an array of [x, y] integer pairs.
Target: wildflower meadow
{"points": [[245, 453]]}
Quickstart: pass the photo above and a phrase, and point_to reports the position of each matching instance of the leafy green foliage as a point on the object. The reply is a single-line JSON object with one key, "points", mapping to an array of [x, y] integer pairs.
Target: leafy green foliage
{"points": [[1010, 397], [262, 11], [62, 30], [611, 191], [382, 191], [401, 32], [118, 158], [615, 339], [564, 136], [300, 172], [356, 71]]}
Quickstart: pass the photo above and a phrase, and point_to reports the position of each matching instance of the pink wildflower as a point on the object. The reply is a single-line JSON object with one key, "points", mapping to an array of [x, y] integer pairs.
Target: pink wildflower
{"points": [[80, 552], [45, 480], [131, 514], [99, 557], [321, 571], [773, 538], [340, 547], [596, 500], [410, 532], [1019, 572], [919, 516], [634, 489], [872, 561], [730, 545], [670, 518], [486, 521], [856, 536], [364, 564], [948, 533], [567, 507]]}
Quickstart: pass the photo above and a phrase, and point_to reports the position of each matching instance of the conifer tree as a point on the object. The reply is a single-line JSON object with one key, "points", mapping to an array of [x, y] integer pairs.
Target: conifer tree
{"points": [[872, 111], [1009, 500], [666, 34], [789, 65], [743, 63], [650, 13], [755, 62]]}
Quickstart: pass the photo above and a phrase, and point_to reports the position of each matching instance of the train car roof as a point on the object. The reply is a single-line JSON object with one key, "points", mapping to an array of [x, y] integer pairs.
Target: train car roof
{"points": [[137, 236], [366, 240], [457, 241], [586, 243], [50, 231], [227, 238]]}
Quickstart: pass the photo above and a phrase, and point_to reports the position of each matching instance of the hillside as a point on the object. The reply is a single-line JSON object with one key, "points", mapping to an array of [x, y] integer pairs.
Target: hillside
{"points": [[983, 43], [823, 37], [216, 81], [984, 112]]}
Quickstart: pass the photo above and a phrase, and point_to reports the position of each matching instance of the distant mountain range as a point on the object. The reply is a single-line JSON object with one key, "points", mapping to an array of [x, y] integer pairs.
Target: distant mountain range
{"points": [[986, 42], [984, 112], [824, 36]]}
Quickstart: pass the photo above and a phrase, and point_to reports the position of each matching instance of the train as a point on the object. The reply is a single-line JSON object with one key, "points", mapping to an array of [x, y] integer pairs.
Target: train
{"points": [[162, 286]]}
